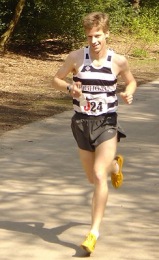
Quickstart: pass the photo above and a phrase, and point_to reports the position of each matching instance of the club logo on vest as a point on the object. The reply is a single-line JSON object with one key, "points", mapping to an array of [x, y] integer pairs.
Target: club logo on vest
{"points": [[88, 68]]}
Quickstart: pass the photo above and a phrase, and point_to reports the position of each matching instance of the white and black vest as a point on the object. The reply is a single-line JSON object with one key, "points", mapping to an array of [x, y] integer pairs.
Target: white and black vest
{"points": [[98, 87]]}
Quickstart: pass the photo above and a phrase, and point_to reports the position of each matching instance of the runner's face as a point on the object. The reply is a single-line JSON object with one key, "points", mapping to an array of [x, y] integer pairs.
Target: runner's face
{"points": [[96, 39]]}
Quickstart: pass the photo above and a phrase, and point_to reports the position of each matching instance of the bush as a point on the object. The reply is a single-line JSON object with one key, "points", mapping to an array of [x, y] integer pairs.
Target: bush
{"points": [[51, 18]]}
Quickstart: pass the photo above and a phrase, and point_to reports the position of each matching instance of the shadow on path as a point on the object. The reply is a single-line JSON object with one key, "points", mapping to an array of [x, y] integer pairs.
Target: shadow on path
{"points": [[49, 235]]}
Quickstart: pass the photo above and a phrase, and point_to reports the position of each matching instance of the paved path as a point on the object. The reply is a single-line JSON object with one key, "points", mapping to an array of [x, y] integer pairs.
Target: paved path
{"points": [[45, 198]]}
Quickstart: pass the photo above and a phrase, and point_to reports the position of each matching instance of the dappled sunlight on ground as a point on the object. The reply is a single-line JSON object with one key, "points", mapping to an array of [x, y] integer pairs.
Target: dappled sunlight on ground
{"points": [[45, 198]]}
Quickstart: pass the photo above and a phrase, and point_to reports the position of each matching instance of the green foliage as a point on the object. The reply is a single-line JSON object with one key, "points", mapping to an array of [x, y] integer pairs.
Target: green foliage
{"points": [[34, 24], [149, 3], [43, 19], [145, 25], [139, 53], [120, 14], [6, 12]]}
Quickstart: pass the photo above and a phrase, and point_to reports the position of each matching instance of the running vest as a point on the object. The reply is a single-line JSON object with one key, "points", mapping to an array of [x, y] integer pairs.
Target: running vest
{"points": [[98, 87]]}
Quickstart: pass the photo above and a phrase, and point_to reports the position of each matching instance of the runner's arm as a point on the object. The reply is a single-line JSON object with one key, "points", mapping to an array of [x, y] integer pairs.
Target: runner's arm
{"points": [[59, 81], [129, 80]]}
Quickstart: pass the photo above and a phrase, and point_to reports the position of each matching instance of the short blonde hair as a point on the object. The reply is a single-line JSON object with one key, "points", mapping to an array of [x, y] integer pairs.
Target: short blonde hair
{"points": [[96, 19]]}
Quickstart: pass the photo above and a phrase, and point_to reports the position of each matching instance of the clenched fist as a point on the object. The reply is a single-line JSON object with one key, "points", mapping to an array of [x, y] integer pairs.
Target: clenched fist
{"points": [[128, 98]]}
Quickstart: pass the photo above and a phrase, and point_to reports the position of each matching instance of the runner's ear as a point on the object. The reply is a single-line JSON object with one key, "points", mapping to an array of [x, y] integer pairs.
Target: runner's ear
{"points": [[107, 35]]}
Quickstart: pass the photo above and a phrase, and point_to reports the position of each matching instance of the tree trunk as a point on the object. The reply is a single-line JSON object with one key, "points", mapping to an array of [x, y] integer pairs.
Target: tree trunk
{"points": [[7, 34], [135, 3]]}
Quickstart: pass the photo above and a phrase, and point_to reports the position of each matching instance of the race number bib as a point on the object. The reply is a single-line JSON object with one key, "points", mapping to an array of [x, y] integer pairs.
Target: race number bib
{"points": [[94, 106]]}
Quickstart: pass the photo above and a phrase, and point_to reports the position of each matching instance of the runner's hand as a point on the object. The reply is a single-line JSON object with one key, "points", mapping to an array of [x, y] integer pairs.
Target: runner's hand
{"points": [[128, 98], [76, 90]]}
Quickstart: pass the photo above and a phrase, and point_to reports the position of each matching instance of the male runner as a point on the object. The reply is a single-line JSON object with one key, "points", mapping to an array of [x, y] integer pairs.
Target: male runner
{"points": [[94, 124]]}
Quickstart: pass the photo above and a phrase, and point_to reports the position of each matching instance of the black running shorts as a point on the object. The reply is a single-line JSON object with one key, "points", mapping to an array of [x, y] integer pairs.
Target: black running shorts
{"points": [[90, 131]]}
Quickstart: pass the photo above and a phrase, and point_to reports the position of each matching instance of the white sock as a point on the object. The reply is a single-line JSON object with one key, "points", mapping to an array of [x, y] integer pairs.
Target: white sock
{"points": [[117, 168], [95, 233]]}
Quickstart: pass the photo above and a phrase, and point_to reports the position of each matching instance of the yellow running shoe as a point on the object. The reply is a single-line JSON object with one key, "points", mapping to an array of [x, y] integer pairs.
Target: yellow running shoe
{"points": [[89, 243], [117, 178]]}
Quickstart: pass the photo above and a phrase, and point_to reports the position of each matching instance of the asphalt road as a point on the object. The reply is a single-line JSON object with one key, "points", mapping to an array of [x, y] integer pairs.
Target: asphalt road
{"points": [[45, 198]]}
